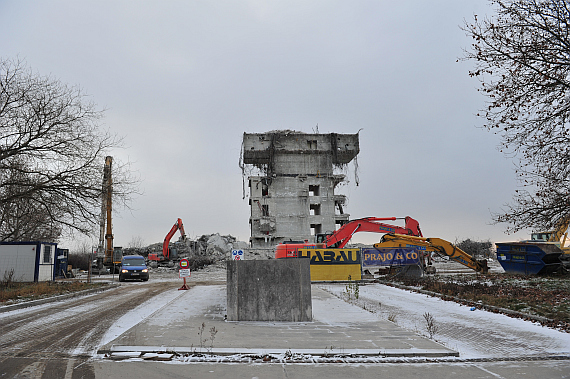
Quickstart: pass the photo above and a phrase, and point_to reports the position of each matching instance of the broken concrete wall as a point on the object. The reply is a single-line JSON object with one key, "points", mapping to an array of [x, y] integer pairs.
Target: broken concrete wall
{"points": [[295, 199], [258, 148], [269, 290]]}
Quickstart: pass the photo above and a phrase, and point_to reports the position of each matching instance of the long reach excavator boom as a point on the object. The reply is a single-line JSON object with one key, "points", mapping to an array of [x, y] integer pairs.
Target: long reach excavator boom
{"points": [[177, 226], [339, 238], [165, 257], [436, 245]]}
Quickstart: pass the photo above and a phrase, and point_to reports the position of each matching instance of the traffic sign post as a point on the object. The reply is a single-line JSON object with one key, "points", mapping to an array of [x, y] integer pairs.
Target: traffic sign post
{"points": [[184, 272], [237, 255]]}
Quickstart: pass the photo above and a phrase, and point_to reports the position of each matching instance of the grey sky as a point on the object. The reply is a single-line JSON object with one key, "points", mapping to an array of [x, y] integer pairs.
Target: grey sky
{"points": [[182, 80]]}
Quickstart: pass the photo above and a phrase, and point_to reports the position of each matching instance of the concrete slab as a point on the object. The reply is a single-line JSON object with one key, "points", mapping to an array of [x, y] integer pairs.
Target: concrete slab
{"points": [[269, 290], [195, 323]]}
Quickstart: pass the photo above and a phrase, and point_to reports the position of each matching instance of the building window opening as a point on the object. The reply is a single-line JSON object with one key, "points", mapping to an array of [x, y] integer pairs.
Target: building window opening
{"points": [[47, 254], [312, 144], [340, 223], [340, 209], [315, 209], [314, 190], [316, 229], [263, 208]]}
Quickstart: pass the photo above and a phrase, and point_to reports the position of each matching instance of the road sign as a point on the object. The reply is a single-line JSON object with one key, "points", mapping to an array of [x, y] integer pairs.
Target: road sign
{"points": [[184, 273], [237, 255], [184, 263]]}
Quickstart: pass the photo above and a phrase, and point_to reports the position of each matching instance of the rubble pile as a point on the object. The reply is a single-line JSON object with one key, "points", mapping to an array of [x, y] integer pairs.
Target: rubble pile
{"points": [[215, 247]]}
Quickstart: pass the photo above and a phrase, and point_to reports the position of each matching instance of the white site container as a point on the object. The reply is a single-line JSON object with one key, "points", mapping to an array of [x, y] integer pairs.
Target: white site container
{"points": [[30, 261]]}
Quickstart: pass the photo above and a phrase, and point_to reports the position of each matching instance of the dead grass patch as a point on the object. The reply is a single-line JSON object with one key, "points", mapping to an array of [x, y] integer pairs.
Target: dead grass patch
{"points": [[547, 297], [18, 291]]}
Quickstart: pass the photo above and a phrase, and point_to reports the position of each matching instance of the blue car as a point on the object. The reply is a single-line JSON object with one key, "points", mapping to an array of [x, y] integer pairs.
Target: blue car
{"points": [[133, 267]]}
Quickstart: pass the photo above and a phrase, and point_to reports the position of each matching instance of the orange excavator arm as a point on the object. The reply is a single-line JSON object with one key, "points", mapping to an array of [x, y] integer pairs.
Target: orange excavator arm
{"points": [[177, 226], [340, 238]]}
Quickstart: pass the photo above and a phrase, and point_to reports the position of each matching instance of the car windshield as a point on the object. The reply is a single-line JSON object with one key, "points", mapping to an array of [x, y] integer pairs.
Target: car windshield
{"points": [[133, 262]]}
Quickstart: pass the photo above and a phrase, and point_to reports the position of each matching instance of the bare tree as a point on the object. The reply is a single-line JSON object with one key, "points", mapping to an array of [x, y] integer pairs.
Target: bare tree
{"points": [[477, 249], [52, 151], [136, 242], [21, 218], [522, 58], [80, 255]]}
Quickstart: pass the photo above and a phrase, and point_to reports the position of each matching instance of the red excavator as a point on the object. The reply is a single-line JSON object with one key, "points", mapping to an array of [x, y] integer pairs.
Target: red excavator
{"points": [[165, 249], [340, 238]]}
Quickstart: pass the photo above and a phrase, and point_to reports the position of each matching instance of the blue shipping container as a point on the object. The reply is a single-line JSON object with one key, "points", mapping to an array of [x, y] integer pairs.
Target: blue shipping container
{"points": [[529, 258]]}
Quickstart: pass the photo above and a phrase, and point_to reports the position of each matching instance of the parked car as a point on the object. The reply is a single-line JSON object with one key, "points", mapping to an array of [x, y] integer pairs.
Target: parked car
{"points": [[133, 267]]}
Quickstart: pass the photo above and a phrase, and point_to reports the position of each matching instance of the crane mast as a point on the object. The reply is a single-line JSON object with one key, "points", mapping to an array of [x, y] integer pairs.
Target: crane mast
{"points": [[108, 194], [103, 217], [105, 255]]}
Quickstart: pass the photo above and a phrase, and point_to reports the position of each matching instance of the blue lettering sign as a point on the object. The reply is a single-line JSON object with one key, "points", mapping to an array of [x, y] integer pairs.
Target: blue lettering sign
{"points": [[391, 256]]}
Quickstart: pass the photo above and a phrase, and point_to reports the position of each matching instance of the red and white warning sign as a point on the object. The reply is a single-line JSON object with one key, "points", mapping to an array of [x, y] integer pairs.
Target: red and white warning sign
{"points": [[184, 263]]}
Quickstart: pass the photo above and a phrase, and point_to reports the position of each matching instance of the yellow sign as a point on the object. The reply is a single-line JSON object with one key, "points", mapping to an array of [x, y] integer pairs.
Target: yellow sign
{"points": [[333, 264]]}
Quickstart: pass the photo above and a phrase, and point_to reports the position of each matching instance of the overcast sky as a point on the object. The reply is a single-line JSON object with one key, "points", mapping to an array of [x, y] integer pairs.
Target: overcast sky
{"points": [[183, 80]]}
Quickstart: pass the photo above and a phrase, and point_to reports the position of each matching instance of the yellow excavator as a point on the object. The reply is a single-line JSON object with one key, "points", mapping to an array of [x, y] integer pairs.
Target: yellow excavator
{"points": [[557, 236], [436, 245]]}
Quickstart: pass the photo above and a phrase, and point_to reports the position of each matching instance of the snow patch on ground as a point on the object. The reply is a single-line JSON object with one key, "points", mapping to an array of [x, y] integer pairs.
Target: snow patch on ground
{"points": [[194, 302], [335, 313], [139, 314], [473, 333]]}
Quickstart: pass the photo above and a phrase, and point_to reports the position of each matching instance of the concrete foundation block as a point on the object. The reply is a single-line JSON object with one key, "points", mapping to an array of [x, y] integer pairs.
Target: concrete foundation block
{"points": [[269, 290]]}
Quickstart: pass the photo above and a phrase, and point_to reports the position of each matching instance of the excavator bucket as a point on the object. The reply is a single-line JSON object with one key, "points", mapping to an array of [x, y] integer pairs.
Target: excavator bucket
{"points": [[484, 265]]}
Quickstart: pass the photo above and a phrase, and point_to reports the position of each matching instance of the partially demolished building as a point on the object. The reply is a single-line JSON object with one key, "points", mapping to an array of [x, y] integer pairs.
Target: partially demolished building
{"points": [[293, 197]]}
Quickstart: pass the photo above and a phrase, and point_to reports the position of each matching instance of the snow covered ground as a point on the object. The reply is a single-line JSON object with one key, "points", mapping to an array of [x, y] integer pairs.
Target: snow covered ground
{"points": [[139, 314], [475, 334]]}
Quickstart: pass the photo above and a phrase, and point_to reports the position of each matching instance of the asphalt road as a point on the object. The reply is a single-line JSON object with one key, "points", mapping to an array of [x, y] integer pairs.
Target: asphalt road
{"points": [[476, 370], [58, 340]]}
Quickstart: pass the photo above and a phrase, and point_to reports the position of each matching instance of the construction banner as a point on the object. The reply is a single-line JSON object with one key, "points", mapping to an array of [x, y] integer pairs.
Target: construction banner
{"points": [[333, 264], [400, 256]]}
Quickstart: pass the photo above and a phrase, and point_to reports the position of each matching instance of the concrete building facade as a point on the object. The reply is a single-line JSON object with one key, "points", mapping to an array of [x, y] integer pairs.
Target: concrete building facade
{"points": [[294, 196]]}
